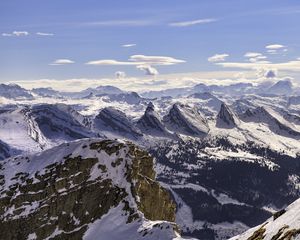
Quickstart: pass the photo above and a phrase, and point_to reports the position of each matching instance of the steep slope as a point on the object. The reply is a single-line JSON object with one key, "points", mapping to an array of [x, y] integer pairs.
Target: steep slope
{"points": [[151, 124], [113, 121], [273, 120], [4, 150], [284, 225], [88, 189], [19, 131], [59, 122], [283, 87], [226, 118], [185, 119]]}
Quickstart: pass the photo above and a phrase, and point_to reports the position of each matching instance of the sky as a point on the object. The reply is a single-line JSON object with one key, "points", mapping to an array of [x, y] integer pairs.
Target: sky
{"points": [[148, 43]]}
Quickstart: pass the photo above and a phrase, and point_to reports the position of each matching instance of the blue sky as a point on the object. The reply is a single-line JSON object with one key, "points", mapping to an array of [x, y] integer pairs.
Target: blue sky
{"points": [[72, 33]]}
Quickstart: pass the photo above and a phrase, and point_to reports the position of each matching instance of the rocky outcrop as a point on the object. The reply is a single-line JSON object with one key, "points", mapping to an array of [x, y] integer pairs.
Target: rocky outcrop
{"points": [[64, 192], [151, 124], [226, 118], [185, 119]]}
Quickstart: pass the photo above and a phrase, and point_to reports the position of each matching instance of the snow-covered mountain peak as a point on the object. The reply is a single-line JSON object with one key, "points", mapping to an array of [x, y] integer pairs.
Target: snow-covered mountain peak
{"points": [[151, 123], [226, 118], [113, 121], [184, 119]]}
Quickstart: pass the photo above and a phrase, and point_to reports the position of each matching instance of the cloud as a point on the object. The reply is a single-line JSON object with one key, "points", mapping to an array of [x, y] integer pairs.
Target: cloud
{"points": [[129, 45], [44, 34], [120, 74], [149, 70], [254, 57], [274, 46], [218, 58], [6, 34], [16, 34], [155, 60], [193, 22], [20, 33], [137, 60], [252, 54], [293, 66], [61, 62]]}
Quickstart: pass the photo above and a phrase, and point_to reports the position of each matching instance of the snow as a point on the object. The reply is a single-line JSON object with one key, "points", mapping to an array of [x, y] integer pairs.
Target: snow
{"points": [[113, 225], [291, 218]]}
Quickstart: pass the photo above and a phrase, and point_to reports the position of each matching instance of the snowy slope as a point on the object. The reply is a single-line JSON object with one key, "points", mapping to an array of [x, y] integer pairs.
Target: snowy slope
{"points": [[283, 225], [111, 121], [87, 189], [186, 120]]}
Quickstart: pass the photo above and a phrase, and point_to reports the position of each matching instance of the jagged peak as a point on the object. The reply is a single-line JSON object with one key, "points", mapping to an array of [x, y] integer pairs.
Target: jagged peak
{"points": [[185, 119], [226, 118], [150, 107]]}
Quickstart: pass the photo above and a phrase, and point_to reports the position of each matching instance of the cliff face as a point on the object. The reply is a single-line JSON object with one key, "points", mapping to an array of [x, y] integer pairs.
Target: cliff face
{"points": [[62, 192]]}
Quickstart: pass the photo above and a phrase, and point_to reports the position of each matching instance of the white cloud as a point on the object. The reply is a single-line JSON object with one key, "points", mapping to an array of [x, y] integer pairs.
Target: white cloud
{"points": [[293, 66], [6, 34], [20, 33], [155, 60], [137, 60], [275, 46], [16, 33], [129, 45], [149, 70], [61, 62], [44, 34], [252, 54], [193, 22], [218, 58], [120, 74]]}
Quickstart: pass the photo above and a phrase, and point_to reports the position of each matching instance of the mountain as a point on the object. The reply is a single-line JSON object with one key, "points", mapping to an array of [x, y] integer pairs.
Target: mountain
{"points": [[37, 127], [130, 98], [47, 92], [113, 121], [101, 90], [273, 120], [20, 132], [186, 120], [87, 189], [294, 100], [283, 87], [151, 124], [207, 101], [59, 122], [226, 118], [284, 224], [13, 91]]}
